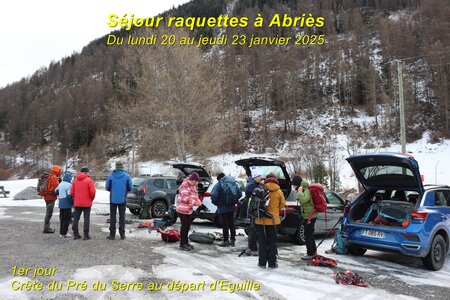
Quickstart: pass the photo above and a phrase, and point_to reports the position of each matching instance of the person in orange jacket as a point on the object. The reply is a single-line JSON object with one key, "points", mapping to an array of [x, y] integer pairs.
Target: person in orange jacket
{"points": [[266, 227], [50, 197], [83, 194]]}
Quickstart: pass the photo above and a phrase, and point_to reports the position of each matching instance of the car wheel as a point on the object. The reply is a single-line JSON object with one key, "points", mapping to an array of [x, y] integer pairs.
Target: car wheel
{"points": [[159, 208], [356, 251], [299, 236], [435, 258], [217, 221], [135, 211]]}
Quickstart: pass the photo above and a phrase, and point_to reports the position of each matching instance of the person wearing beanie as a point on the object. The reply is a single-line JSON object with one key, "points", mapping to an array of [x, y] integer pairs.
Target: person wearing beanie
{"points": [[50, 197], [187, 199], [83, 194], [194, 177], [65, 204], [118, 184], [296, 181], [266, 227], [254, 181], [306, 202]]}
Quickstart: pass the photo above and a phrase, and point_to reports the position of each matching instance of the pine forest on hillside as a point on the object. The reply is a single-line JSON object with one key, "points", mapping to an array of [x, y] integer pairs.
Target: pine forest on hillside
{"points": [[177, 102]]}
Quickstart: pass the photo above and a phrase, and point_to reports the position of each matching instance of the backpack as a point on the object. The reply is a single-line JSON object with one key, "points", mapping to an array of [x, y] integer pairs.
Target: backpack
{"points": [[169, 235], [202, 238], [43, 184], [231, 193], [318, 195], [338, 246], [257, 206]]}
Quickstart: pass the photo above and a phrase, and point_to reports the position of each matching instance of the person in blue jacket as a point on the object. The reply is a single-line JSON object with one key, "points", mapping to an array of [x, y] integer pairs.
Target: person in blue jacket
{"points": [[118, 184], [226, 204], [65, 204]]}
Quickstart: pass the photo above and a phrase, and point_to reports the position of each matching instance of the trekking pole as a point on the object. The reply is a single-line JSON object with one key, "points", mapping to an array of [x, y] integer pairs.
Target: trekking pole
{"points": [[339, 221], [242, 252]]}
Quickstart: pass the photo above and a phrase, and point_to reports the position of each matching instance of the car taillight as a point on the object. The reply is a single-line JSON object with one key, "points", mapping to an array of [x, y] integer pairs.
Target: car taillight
{"points": [[207, 194], [419, 215], [287, 210], [346, 209], [143, 190]]}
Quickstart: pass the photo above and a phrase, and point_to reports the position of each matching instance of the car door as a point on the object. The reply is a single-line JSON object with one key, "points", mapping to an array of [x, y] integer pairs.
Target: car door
{"points": [[441, 203], [335, 208], [171, 189]]}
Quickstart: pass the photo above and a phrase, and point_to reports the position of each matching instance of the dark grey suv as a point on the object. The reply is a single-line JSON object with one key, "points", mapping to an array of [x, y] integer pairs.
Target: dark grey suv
{"points": [[157, 191]]}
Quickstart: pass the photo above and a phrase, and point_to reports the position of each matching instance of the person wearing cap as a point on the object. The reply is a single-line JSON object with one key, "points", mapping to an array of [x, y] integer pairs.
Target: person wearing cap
{"points": [[254, 181], [187, 199], [83, 194], [50, 198], [118, 184]]}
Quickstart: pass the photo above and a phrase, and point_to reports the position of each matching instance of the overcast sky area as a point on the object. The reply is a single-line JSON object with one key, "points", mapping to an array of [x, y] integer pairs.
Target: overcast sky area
{"points": [[34, 33]]}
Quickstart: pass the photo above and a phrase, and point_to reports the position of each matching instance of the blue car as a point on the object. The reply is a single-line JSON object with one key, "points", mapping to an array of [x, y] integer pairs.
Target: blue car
{"points": [[396, 212]]}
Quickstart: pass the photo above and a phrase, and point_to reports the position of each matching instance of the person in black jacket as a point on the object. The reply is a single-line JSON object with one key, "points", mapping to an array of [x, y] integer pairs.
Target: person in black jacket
{"points": [[253, 182]]}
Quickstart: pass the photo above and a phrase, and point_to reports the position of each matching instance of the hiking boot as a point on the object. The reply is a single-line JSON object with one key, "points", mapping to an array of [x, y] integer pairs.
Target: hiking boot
{"points": [[123, 237], [185, 247], [86, 237], [110, 237], [261, 266], [307, 257], [232, 243], [224, 244], [76, 236], [190, 246], [48, 230], [274, 266]]}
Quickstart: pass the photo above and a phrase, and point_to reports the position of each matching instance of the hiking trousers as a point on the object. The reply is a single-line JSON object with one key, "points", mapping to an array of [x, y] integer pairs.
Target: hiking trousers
{"points": [[267, 248], [185, 226], [86, 220], [65, 214], [252, 236], [311, 248], [112, 221], [49, 205], [227, 220]]}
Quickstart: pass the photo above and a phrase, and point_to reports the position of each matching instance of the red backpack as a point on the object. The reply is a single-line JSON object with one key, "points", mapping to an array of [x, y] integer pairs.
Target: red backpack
{"points": [[170, 234], [318, 195]]}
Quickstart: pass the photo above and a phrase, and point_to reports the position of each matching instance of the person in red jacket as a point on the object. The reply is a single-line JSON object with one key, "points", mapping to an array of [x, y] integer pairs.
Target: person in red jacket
{"points": [[50, 198], [83, 193]]}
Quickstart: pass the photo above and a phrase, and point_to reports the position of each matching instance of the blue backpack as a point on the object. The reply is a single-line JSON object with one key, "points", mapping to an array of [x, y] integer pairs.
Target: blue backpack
{"points": [[231, 193], [338, 246]]}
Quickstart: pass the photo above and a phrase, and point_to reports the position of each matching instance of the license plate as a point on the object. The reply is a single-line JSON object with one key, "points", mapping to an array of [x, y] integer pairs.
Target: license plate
{"points": [[373, 233]]}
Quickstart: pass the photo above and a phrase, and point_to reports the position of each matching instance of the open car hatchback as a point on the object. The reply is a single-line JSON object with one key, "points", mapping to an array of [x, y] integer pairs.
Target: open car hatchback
{"points": [[396, 212]]}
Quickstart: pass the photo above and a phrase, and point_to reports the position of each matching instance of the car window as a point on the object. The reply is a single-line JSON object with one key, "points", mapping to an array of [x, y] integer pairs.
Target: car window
{"points": [[159, 183], [137, 181], [447, 196], [439, 198], [332, 198], [264, 170], [171, 184]]}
